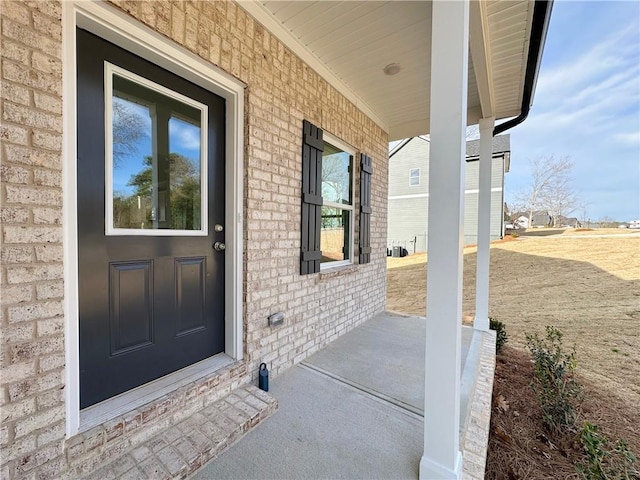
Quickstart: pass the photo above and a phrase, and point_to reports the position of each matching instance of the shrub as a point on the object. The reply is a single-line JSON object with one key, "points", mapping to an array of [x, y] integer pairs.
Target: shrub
{"points": [[556, 387], [603, 462], [501, 333]]}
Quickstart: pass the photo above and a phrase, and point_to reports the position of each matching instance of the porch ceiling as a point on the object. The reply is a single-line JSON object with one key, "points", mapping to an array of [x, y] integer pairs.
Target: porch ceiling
{"points": [[350, 42]]}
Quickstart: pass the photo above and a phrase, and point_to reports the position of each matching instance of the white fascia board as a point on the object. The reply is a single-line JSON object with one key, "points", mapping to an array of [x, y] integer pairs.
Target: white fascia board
{"points": [[258, 11]]}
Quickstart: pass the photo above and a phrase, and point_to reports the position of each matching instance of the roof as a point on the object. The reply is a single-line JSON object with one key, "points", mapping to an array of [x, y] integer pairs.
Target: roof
{"points": [[501, 145], [349, 44]]}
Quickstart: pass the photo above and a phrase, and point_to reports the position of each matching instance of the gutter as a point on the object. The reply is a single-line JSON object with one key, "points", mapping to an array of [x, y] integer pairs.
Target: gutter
{"points": [[539, 26]]}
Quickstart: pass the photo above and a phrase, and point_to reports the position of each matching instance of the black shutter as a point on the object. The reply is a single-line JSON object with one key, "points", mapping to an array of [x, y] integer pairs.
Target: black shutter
{"points": [[366, 170], [312, 147]]}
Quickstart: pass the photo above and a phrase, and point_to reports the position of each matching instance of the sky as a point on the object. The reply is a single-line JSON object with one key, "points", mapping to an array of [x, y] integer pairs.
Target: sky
{"points": [[184, 138], [587, 106]]}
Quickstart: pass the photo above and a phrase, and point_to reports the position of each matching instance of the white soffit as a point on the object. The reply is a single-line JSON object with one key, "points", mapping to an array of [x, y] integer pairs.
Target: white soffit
{"points": [[510, 27], [350, 42]]}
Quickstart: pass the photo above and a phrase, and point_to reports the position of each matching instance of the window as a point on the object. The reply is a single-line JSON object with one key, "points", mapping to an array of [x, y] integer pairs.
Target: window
{"points": [[156, 158], [336, 225], [414, 177], [327, 213]]}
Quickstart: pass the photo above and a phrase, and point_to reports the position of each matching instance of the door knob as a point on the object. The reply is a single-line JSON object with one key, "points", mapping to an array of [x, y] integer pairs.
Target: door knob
{"points": [[219, 246]]}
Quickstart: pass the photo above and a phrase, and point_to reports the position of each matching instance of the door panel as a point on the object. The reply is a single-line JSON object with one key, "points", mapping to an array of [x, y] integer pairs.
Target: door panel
{"points": [[190, 294], [151, 289], [130, 306]]}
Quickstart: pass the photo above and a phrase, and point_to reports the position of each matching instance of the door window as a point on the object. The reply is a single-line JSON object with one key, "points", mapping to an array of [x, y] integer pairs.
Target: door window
{"points": [[155, 158]]}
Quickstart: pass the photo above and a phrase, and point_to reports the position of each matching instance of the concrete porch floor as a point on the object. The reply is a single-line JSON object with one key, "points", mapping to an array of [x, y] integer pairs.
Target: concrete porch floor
{"points": [[354, 409]]}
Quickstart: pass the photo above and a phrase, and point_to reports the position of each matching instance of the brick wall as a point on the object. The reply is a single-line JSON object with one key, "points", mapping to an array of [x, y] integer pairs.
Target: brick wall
{"points": [[281, 92], [32, 355]]}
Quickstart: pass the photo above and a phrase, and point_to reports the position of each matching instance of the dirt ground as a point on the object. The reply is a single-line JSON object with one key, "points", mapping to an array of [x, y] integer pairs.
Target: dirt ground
{"points": [[520, 447], [585, 283]]}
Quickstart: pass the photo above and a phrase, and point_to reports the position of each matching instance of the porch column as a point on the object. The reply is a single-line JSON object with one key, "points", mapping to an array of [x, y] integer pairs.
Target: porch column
{"points": [[481, 321], [449, 63]]}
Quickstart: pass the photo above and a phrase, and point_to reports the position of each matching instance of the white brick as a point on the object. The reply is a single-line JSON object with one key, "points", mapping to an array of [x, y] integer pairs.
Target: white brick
{"points": [[34, 273], [36, 311], [38, 420], [24, 234], [14, 133], [33, 196], [49, 290]]}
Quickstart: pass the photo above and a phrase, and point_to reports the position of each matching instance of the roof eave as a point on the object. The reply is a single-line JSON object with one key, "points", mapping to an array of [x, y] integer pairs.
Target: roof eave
{"points": [[539, 29]]}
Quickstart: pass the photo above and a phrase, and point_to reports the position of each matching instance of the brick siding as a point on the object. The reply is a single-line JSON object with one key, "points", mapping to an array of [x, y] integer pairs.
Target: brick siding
{"points": [[281, 91]]}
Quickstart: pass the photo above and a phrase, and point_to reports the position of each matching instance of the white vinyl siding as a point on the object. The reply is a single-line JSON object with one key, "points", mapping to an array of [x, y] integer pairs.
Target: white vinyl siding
{"points": [[408, 205]]}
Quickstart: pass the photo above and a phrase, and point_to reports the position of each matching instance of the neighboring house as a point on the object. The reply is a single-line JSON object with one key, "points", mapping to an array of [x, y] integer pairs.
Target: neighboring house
{"points": [[521, 221], [409, 191], [540, 218], [571, 222], [176, 173]]}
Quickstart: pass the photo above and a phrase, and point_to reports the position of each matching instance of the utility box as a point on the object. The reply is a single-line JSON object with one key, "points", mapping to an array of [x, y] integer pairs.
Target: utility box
{"points": [[397, 252]]}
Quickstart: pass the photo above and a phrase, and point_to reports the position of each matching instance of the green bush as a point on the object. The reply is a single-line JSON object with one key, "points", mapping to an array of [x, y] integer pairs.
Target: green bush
{"points": [[602, 461], [557, 389], [501, 333]]}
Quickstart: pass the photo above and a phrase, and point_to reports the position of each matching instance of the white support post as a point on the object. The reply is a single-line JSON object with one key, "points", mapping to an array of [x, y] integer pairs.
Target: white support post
{"points": [[449, 68], [481, 321]]}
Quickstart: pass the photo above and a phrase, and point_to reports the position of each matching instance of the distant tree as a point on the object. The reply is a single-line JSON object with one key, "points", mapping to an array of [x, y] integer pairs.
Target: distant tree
{"points": [[128, 129], [560, 200], [583, 207], [550, 187], [336, 185], [473, 132], [516, 208], [184, 195], [607, 222]]}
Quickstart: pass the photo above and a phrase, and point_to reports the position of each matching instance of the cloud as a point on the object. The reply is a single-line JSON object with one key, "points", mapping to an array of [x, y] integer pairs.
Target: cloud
{"points": [[631, 139], [587, 106], [594, 89], [185, 134]]}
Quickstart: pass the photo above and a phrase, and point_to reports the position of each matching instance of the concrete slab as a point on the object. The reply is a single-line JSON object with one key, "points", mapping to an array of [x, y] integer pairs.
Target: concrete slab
{"points": [[351, 411], [384, 357], [324, 429]]}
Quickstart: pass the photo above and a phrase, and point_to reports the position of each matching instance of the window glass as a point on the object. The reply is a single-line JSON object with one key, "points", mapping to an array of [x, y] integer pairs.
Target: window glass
{"points": [[337, 210], [414, 177], [334, 234], [336, 175], [156, 168]]}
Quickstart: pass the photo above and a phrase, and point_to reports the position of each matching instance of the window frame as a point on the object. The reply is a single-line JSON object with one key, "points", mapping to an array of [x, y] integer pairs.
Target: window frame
{"points": [[345, 147], [411, 176], [109, 71]]}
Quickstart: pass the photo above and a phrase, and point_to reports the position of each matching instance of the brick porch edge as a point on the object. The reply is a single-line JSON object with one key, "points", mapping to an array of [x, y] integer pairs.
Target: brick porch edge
{"points": [[475, 439], [181, 449]]}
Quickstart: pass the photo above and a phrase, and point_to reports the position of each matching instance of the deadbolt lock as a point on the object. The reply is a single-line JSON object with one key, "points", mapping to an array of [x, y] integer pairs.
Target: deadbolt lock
{"points": [[218, 227]]}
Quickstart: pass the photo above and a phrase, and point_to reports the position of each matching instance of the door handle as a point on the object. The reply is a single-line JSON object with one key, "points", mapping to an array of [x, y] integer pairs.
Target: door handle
{"points": [[219, 246]]}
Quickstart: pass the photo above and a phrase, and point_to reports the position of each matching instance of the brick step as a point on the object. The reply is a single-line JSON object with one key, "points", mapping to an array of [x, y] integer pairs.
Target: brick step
{"points": [[182, 449]]}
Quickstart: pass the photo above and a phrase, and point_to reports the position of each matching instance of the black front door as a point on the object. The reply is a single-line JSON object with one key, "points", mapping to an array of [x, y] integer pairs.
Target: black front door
{"points": [[150, 189]]}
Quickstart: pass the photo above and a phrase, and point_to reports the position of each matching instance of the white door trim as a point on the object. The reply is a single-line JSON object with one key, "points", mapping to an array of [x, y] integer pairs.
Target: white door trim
{"points": [[120, 29]]}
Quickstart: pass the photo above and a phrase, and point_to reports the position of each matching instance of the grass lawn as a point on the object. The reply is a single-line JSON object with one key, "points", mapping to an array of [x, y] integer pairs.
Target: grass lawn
{"points": [[586, 285]]}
